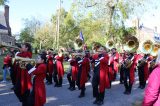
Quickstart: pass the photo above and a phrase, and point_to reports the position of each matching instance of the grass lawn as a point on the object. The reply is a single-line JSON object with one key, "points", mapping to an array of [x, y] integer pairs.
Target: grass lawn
{"points": [[66, 66], [1, 65]]}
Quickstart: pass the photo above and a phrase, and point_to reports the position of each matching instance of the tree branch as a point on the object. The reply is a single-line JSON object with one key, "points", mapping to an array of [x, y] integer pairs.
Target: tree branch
{"points": [[88, 6]]}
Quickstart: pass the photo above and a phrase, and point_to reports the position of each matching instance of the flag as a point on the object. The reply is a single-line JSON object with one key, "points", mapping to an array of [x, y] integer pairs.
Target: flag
{"points": [[141, 26], [81, 36]]}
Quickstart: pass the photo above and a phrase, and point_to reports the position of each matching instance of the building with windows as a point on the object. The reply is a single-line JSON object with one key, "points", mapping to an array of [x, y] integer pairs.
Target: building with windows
{"points": [[6, 37]]}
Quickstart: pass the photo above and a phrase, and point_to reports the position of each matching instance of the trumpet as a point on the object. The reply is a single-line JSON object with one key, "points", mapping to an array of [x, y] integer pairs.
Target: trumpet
{"points": [[24, 61]]}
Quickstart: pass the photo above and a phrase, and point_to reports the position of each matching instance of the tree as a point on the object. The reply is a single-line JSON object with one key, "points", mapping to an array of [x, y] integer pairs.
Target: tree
{"points": [[32, 25], [93, 30], [112, 12], [68, 28], [30, 28], [25, 36], [2, 2], [44, 37]]}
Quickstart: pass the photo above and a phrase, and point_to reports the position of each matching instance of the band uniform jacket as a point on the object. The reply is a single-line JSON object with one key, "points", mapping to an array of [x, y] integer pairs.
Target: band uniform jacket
{"points": [[59, 66], [39, 86]]}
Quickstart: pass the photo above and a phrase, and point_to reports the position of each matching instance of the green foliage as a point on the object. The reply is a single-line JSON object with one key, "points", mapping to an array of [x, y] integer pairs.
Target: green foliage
{"points": [[2, 2], [112, 12], [94, 20], [30, 28], [68, 28], [44, 37], [26, 36]]}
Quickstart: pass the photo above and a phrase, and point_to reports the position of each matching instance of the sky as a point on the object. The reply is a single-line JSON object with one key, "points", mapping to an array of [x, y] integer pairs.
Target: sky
{"points": [[40, 9], [43, 10]]}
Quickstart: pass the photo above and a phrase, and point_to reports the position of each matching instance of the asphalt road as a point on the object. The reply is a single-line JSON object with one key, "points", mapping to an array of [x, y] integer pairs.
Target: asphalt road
{"points": [[64, 97]]}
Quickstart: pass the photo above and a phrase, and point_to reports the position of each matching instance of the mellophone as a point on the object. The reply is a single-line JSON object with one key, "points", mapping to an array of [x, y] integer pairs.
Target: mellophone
{"points": [[24, 61]]}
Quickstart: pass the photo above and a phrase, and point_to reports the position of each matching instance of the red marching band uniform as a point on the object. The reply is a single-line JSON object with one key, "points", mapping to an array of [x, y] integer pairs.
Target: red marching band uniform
{"points": [[122, 58], [74, 68], [59, 71], [129, 73], [49, 69], [115, 62], [23, 79], [113, 66], [39, 73], [104, 79], [132, 69], [59, 64], [143, 70], [84, 67], [146, 68], [100, 79], [72, 75]]}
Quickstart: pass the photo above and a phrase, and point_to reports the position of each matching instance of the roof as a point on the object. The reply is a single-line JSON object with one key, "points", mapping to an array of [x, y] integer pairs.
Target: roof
{"points": [[3, 26]]}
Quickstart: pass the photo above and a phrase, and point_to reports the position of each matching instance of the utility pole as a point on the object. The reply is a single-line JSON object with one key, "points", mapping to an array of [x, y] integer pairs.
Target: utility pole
{"points": [[40, 45], [58, 24]]}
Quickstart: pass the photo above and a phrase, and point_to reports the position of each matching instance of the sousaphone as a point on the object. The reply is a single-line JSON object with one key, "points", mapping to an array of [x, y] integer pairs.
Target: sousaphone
{"points": [[131, 43], [146, 47], [110, 44], [155, 49]]}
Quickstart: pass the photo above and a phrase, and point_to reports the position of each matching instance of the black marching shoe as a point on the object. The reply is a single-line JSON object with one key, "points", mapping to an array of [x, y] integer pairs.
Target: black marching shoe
{"points": [[59, 85], [142, 87], [56, 85], [12, 88], [100, 102], [121, 83], [72, 89], [49, 83], [127, 93], [96, 101], [139, 86], [81, 95]]}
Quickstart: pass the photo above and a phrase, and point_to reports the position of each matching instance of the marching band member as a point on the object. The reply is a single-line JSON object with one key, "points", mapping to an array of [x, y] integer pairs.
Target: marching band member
{"points": [[123, 57], [113, 65], [152, 64], [23, 79], [100, 79], [59, 69], [143, 70], [49, 67], [129, 73], [84, 67], [38, 94], [72, 75]]}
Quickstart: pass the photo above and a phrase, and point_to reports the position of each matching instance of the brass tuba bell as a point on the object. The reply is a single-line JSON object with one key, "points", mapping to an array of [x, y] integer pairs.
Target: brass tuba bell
{"points": [[109, 44], [78, 44], [131, 43], [155, 49], [96, 46], [146, 47]]}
